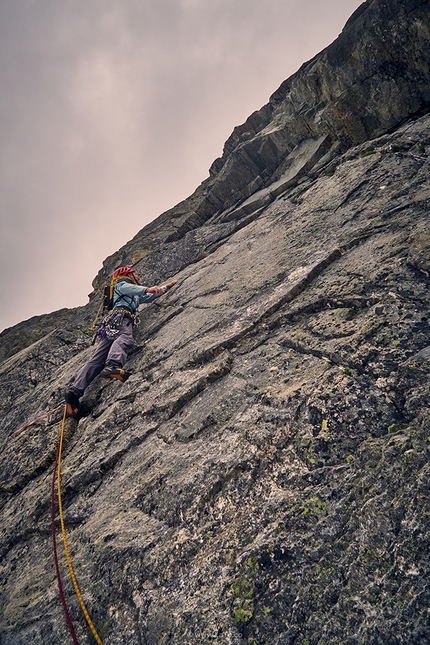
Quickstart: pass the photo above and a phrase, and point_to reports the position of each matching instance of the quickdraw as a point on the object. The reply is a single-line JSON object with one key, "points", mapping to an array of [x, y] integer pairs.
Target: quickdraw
{"points": [[57, 468]]}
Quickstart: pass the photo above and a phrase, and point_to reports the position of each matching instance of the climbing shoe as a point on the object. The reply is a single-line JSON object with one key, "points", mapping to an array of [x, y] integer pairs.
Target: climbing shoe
{"points": [[72, 405], [113, 372]]}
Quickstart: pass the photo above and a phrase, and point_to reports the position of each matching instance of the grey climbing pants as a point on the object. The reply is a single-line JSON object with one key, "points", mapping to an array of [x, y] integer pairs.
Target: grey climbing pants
{"points": [[108, 352]]}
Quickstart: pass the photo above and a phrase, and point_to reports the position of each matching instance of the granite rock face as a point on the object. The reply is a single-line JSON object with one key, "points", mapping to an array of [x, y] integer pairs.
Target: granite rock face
{"points": [[263, 477]]}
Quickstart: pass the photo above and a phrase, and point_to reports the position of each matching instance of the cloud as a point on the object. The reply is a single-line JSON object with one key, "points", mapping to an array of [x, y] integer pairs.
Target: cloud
{"points": [[111, 113]]}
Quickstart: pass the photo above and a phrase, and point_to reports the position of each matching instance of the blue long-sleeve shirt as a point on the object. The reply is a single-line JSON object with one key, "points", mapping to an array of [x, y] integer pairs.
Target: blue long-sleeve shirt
{"points": [[129, 295]]}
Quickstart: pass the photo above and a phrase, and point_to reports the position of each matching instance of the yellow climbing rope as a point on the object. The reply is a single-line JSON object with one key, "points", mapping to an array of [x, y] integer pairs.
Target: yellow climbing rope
{"points": [[66, 548], [94, 325]]}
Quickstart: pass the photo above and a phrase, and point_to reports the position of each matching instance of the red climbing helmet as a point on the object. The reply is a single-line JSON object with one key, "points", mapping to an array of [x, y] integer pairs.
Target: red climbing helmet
{"points": [[125, 272]]}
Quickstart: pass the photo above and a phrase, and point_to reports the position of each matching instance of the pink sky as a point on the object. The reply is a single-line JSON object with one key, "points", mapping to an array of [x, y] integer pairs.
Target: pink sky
{"points": [[112, 112]]}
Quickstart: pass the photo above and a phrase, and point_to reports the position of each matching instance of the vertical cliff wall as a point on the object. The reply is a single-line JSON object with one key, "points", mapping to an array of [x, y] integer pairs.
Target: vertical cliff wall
{"points": [[262, 478]]}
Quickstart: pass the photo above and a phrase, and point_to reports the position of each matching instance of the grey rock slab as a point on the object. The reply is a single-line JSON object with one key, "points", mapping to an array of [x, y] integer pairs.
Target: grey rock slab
{"points": [[262, 477]]}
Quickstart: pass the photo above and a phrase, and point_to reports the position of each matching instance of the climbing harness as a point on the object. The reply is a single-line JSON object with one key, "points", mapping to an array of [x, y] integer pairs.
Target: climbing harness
{"points": [[112, 324], [43, 416], [57, 468]]}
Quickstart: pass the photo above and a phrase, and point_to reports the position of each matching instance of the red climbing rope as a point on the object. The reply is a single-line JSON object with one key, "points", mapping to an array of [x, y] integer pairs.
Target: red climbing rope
{"points": [[54, 541], [30, 423], [57, 469]]}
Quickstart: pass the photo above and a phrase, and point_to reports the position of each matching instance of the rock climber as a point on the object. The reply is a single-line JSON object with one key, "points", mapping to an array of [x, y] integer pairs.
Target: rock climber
{"points": [[114, 337]]}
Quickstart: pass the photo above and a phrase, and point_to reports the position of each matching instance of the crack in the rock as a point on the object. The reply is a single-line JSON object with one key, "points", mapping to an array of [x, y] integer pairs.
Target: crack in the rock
{"points": [[242, 223], [229, 343], [350, 193], [103, 468]]}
